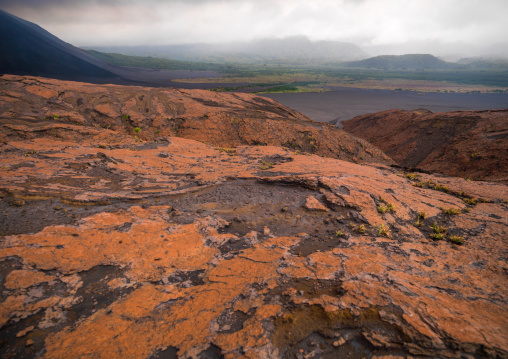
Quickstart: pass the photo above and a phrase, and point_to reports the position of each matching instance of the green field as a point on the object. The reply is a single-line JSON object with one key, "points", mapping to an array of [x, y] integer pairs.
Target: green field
{"points": [[306, 77]]}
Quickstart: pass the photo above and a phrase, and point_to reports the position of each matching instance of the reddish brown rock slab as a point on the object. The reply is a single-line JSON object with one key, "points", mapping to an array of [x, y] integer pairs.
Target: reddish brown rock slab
{"points": [[132, 248], [469, 144], [220, 119], [312, 204]]}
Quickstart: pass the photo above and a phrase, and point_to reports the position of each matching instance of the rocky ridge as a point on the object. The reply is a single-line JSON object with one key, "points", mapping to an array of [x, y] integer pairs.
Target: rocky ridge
{"points": [[220, 119], [469, 144], [117, 244]]}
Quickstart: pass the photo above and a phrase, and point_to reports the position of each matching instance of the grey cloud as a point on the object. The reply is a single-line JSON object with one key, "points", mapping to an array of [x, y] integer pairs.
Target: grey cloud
{"points": [[370, 23]]}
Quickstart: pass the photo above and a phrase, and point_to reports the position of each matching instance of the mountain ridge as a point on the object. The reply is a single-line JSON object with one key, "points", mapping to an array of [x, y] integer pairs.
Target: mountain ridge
{"points": [[28, 49]]}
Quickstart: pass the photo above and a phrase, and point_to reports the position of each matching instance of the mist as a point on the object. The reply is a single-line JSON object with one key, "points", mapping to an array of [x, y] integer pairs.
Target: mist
{"points": [[449, 28]]}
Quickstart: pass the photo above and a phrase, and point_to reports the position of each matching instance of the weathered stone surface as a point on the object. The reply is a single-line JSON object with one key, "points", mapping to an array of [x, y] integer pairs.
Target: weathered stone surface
{"points": [[469, 144], [220, 119], [312, 204], [132, 248]]}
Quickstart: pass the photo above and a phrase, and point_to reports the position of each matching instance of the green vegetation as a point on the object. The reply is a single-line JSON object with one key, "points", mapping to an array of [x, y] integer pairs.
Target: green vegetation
{"points": [[450, 211], [229, 151], [432, 185], [412, 176], [155, 62], [476, 155], [383, 208], [361, 229], [438, 232], [137, 129], [287, 75], [384, 230], [265, 165], [340, 233], [470, 201], [456, 239]]}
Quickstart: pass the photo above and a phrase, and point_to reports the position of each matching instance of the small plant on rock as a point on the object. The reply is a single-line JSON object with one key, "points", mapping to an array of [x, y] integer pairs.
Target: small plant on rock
{"points": [[451, 211], [470, 201], [383, 208], [228, 150], [457, 239], [265, 165], [439, 232], [137, 129], [361, 229], [437, 236], [340, 233], [384, 230]]}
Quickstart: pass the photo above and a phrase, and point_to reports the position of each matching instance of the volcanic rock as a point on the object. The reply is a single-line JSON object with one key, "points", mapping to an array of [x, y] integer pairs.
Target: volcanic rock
{"points": [[469, 144], [188, 254], [220, 119]]}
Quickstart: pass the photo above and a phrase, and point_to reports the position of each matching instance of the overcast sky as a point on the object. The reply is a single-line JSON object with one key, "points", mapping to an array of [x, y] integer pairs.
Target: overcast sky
{"points": [[396, 26]]}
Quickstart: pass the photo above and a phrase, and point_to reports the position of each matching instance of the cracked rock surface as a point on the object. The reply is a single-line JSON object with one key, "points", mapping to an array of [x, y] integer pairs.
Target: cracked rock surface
{"points": [[114, 246]]}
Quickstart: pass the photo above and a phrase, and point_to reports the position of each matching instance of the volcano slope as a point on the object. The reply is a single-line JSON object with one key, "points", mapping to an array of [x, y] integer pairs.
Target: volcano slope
{"points": [[469, 144], [121, 247], [219, 119]]}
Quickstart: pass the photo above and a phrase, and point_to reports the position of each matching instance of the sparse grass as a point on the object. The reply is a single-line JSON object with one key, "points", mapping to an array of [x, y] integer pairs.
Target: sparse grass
{"points": [[470, 201], [125, 117], [418, 222], [456, 239], [432, 185], [439, 187], [450, 211], [422, 215], [265, 165], [467, 209], [437, 236], [439, 232], [56, 117], [340, 233], [412, 176], [361, 229], [438, 229], [137, 129], [384, 230], [383, 208], [229, 151], [29, 153], [476, 155]]}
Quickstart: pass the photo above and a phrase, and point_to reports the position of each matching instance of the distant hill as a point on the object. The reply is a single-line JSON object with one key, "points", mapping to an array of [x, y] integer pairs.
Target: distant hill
{"points": [[484, 63], [292, 50], [403, 62], [28, 49]]}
